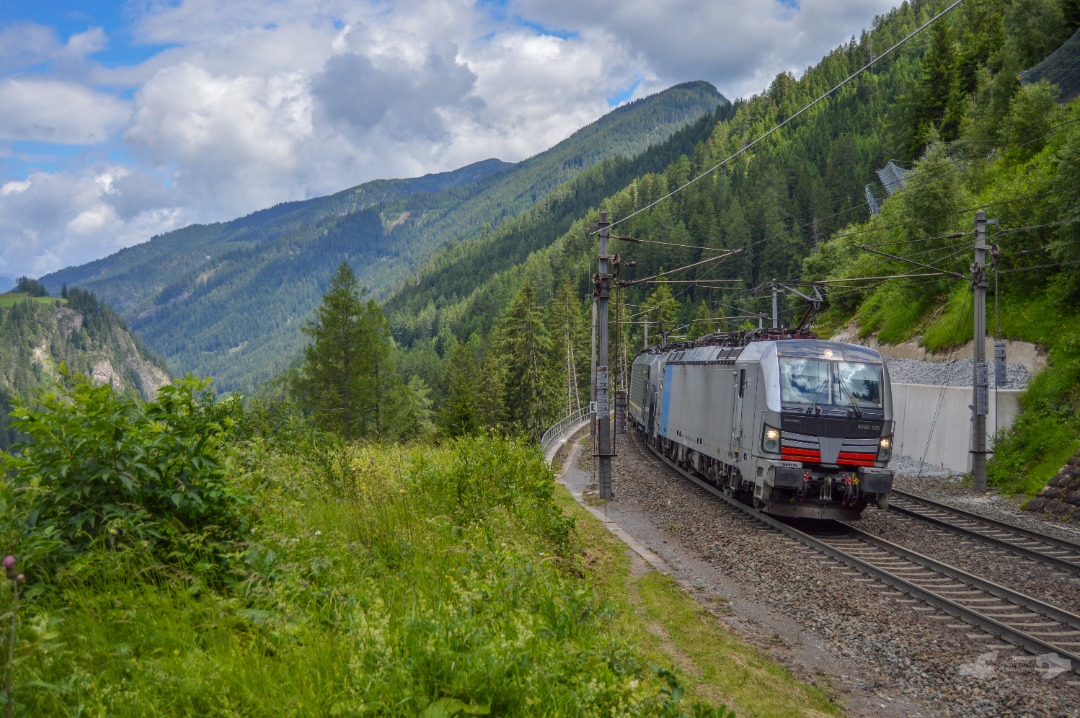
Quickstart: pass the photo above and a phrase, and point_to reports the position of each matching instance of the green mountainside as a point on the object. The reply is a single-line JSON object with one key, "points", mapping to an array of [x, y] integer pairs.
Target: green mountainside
{"points": [[41, 333], [947, 104], [228, 299]]}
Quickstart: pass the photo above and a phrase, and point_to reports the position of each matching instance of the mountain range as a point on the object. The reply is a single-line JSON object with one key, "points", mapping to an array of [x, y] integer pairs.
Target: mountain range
{"points": [[228, 299]]}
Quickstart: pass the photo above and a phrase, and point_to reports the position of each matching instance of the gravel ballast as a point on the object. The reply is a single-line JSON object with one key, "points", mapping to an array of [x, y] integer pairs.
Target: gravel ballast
{"points": [[886, 654]]}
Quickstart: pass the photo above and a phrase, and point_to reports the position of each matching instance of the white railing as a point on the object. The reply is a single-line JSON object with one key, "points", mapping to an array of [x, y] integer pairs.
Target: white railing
{"points": [[557, 432]]}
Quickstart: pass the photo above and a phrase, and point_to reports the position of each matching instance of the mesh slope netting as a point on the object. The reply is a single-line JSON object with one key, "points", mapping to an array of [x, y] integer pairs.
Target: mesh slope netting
{"points": [[1062, 68]]}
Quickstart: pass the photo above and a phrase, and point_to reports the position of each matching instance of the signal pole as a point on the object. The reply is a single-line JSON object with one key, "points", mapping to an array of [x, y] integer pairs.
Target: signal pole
{"points": [[980, 371], [602, 282]]}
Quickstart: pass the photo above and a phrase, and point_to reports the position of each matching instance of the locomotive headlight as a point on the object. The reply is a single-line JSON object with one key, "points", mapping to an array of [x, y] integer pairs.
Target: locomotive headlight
{"points": [[770, 440], [885, 450]]}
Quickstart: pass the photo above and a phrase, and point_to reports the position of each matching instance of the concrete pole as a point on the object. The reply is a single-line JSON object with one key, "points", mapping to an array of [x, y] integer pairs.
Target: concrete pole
{"points": [[646, 331], [775, 314], [603, 412], [592, 372], [980, 379]]}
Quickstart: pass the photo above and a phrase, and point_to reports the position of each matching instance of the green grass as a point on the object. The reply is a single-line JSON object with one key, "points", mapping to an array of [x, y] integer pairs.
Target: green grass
{"points": [[11, 299], [1047, 432], [377, 581], [895, 313], [714, 664], [953, 323]]}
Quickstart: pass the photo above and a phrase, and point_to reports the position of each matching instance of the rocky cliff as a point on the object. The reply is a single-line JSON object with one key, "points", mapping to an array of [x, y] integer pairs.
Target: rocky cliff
{"points": [[38, 335]]}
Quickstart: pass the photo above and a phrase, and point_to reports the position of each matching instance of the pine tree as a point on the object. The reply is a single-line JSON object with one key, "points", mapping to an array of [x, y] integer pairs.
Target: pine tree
{"points": [[334, 382], [413, 417], [382, 381], [661, 310], [703, 323], [524, 348], [569, 333], [935, 89], [460, 414]]}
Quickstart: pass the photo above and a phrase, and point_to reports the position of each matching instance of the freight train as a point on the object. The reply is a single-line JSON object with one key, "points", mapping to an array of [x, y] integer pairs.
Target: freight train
{"points": [[799, 426]]}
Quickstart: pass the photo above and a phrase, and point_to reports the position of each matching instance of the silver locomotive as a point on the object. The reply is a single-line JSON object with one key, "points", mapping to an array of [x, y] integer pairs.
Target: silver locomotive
{"points": [[801, 426]]}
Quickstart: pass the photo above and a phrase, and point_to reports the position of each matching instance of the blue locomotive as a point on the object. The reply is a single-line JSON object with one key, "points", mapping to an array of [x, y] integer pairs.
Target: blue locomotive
{"points": [[801, 426]]}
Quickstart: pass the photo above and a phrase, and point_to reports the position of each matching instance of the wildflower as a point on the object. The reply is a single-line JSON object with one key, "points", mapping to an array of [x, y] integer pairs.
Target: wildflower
{"points": [[318, 533], [9, 563], [21, 578]]}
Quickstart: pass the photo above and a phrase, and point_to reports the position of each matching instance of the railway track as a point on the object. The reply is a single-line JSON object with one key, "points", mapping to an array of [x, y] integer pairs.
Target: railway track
{"points": [[1058, 553], [1021, 620]]}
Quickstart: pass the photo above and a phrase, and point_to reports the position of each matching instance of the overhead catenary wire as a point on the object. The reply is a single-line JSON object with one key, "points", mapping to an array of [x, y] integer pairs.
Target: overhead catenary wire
{"points": [[691, 281], [912, 261], [643, 280], [638, 240], [1067, 263], [873, 229]]}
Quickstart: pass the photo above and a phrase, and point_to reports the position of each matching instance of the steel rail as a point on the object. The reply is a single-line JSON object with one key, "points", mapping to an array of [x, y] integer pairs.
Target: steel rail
{"points": [[991, 625], [1068, 564]]}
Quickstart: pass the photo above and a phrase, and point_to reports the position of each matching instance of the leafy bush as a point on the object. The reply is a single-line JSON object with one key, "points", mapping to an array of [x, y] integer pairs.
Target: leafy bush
{"points": [[1044, 436], [100, 469]]}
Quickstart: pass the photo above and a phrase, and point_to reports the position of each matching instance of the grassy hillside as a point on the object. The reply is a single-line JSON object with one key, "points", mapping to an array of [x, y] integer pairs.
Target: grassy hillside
{"points": [[228, 299], [317, 578], [12, 298]]}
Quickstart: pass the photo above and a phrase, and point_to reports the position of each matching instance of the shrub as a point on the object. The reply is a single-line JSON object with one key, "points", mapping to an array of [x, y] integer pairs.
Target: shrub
{"points": [[100, 469]]}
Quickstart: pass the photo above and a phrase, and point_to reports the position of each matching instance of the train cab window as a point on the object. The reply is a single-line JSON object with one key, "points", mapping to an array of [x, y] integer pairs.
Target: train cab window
{"points": [[742, 382], [859, 383], [804, 381], [821, 382]]}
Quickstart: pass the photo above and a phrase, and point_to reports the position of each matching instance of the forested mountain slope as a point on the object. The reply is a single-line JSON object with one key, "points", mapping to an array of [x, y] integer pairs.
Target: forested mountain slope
{"points": [[228, 299], [947, 105], [39, 334]]}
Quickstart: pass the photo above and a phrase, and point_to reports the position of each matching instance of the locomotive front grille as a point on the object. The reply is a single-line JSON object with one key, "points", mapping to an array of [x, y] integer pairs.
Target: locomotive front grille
{"points": [[841, 451]]}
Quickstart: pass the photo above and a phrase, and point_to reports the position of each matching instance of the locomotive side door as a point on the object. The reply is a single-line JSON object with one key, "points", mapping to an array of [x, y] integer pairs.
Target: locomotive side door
{"points": [[739, 379]]}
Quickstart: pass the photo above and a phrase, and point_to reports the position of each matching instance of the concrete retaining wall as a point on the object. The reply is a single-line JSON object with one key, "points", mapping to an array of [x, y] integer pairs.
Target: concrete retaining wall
{"points": [[915, 407]]}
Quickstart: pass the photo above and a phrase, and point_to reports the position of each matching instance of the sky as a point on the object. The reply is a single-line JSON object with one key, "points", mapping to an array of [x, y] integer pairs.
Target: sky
{"points": [[123, 120]]}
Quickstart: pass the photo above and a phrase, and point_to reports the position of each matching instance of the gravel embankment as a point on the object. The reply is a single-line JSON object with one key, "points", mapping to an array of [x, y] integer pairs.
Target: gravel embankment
{"points": [[913, 660], [948, 487], [956, 372]]}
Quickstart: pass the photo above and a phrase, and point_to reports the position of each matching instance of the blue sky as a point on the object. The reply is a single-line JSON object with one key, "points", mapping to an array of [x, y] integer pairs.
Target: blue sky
{"points": [[122, 120]]}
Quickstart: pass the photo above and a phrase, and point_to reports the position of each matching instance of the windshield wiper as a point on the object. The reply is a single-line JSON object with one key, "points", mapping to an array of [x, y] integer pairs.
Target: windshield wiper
{"points": [[850, 396], [813, 404]]}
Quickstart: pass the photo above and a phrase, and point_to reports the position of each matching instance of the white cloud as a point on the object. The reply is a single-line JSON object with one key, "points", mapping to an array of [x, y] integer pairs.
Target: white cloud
{"points": [[14, 188], [26, 44], [60, 112], [229, 140], [738, 45], [254, 102]]}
